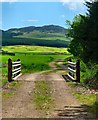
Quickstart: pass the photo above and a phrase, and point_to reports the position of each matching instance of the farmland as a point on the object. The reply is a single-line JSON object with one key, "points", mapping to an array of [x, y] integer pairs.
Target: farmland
{"points": [[31, 58], [33, 49]]}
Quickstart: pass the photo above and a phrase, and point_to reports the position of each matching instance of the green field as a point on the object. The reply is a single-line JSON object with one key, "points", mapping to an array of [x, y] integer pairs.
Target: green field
{"points": [[31, 62], [33, 49]]}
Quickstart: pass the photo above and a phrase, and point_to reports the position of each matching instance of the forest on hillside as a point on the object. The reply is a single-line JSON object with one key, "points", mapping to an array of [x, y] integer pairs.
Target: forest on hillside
{"points": [[51, 36]]}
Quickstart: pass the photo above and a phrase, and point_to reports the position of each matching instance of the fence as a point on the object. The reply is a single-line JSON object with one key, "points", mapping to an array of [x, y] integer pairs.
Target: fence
{"points": [[74, 70], [14, 69]]}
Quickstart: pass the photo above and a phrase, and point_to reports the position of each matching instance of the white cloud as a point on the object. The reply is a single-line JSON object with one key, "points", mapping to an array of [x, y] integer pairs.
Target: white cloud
{"points": [[29, 0], [63, 16], [8, 0], [73, 5], [74, 1], [31, 20], [64, 1]]}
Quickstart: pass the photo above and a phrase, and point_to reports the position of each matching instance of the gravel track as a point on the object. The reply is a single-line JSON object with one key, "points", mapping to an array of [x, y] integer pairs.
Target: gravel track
{"points": [[21, 105]]}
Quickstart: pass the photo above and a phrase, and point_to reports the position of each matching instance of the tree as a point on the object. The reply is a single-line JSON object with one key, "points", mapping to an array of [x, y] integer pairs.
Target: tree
{"points": [[92, 31], [84, 33], [76, 32]]}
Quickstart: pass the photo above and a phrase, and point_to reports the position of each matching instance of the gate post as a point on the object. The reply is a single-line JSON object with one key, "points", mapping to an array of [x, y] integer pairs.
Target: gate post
{"points": [[78, 71], [20, 64], [9, 70]]}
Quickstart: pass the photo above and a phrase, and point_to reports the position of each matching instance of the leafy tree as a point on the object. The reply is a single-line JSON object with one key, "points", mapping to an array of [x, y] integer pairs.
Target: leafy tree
{"points": [[84, 33], [75, 31], [92, 31]]}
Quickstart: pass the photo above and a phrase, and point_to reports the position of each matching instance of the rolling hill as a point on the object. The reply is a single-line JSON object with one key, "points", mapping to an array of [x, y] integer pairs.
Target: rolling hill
{"points": [[50, 35]]}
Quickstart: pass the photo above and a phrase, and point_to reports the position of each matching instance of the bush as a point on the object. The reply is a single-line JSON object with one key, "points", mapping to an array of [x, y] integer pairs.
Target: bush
{"points": [[89, 74]]}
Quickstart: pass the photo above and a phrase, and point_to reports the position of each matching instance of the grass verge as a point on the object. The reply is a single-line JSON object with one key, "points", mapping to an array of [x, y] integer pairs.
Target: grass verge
{"points": [[85, 97]]}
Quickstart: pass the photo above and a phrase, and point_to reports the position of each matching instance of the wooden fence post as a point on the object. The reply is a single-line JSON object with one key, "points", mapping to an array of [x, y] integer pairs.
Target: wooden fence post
{"points": [[70, 59], [20, 65], [78, 71], [9, 70]]}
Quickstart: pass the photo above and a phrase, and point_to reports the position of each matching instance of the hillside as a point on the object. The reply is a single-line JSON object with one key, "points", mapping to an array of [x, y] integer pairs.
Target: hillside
{"points": [[50, 35], [46, 28]]}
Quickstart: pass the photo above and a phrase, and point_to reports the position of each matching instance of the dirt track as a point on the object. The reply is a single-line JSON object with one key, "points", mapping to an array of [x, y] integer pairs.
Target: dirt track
{"points": [[21, 105]]}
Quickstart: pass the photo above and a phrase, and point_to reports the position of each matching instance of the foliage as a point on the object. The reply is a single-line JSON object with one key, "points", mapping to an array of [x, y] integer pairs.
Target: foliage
{"points": [[84, 30], [89, 75], [35, 42]]}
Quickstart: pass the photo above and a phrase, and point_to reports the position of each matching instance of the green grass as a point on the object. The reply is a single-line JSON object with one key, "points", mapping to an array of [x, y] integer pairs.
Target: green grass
{"points": [[8, 95], [42, 95], [89, 100], [31, 62], [14, 84], [33, 49], [11, 88], [85, 98]]}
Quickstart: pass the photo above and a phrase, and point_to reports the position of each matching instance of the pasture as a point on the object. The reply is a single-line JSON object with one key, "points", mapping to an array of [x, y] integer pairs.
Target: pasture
{"points": [[34, 49], [31, 58]]}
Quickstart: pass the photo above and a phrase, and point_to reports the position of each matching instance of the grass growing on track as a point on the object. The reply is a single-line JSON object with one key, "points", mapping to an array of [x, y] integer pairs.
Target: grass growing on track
{"points": [[11, 89], [42, 95]]}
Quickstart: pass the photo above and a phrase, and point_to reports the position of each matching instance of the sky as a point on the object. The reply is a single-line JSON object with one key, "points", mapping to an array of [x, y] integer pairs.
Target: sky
{"points": [[22, 14]]}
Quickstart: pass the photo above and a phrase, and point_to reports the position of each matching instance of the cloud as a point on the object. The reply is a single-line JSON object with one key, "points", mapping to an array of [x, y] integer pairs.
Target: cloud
{"points": [[74, 1], [64, 1], [63, 16], [73, 5], [9, 1], [29, 0], [31, 20]]}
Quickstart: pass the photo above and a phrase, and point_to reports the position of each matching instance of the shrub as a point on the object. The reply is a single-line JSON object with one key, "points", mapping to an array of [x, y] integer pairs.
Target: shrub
{"points": [[89, 74]]}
